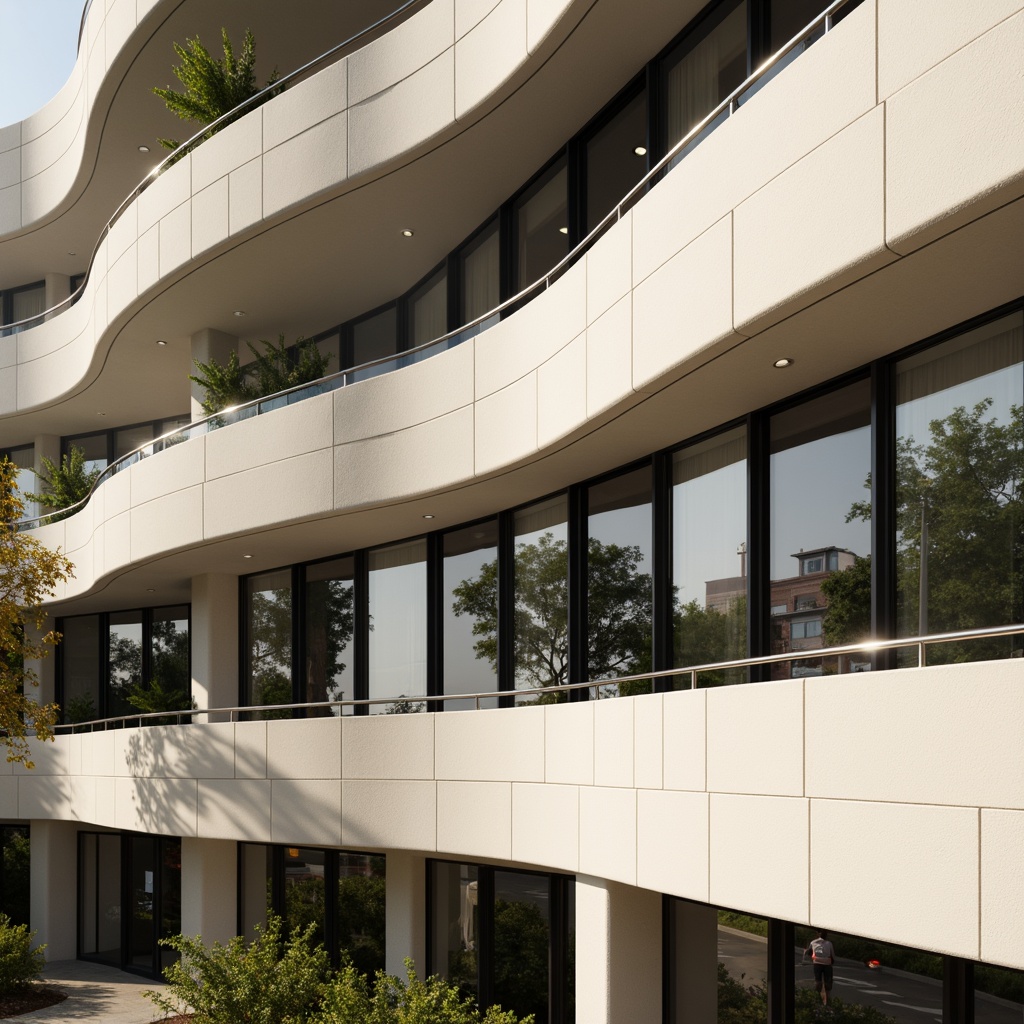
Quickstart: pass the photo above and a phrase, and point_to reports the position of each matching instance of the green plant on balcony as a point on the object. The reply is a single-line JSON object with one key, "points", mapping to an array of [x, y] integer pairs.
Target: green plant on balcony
{"points": [[65, 484], [277, 368], [212, 87]]}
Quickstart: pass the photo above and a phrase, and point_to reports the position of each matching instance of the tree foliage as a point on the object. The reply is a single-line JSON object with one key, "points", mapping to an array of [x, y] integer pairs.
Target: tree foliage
{"points": [[65, 484], [271, 980], [29, 574], [212, 87], [20, 962], [619, 612], [277, 368]]}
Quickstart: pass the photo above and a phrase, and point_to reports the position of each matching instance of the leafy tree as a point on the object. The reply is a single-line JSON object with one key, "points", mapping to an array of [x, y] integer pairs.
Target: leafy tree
{"points": [[65, 484], [272, 980], [29, 573], [847, 593], [276, 368], [213, 87], [619, 640], [351, 999]]}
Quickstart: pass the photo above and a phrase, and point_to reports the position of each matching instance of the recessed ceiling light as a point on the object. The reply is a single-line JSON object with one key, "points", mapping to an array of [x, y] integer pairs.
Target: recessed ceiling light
{"points": [[143, 149], [781, 364], [563, 231], [70, 253], [239, 312], [640, 150], [247, 556], [161, 342], [150, 590], [101, 414], [428, 515], [407, 232]]}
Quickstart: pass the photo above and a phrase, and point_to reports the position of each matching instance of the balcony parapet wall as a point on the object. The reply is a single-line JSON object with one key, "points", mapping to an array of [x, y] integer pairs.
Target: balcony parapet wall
{"points": [[786, 799]]}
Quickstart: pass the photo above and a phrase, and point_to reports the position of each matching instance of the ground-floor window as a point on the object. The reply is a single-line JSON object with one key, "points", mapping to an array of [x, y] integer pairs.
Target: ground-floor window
{"points": [[725, 967], [129, 898], [14, 872], [504, 937], [340, 893]]}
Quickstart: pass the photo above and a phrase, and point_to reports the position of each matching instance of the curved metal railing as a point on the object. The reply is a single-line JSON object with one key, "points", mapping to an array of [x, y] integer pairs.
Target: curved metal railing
{"points": [[821, 25], [601, 688], [361, 38]]}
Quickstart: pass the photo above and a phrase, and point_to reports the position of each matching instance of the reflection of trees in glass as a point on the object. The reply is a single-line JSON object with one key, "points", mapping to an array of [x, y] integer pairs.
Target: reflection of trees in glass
{"points": [[521, 941], [270, 648], [705, 635], [14, 900], [304, 902], [170, 655], [619, 640], [961, 494], [361, 916], [329, 624], [125, 656]]}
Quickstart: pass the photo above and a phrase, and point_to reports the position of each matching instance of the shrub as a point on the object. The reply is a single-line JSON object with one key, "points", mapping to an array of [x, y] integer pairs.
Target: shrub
{"points": [[350, 999], [66, 484], [266, 981], [19, 962]]}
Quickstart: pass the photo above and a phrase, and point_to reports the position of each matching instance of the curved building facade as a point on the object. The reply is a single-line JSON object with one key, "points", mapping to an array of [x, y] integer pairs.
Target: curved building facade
{"points": [[658, 336]]}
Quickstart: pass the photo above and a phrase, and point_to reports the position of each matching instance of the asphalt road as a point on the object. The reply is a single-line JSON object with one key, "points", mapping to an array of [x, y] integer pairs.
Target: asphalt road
{"points": [[907, 998]]}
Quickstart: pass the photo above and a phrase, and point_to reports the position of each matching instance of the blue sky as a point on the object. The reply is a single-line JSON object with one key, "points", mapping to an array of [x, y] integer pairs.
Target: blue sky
{"points": [[38, 46]]}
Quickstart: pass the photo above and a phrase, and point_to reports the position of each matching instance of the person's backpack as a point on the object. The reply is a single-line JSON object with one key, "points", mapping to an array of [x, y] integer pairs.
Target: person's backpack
{"points": [[819, 954]]}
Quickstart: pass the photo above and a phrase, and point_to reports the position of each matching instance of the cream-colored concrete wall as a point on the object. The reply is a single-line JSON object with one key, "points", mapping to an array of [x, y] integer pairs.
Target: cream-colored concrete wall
{"points": [[808, 811], [845, 162]]}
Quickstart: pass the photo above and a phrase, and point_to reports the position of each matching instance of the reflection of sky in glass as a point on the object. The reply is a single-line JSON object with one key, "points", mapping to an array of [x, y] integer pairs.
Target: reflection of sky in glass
{"points": [[464, 672], [398, 639], [813, 487], [709, 523]]}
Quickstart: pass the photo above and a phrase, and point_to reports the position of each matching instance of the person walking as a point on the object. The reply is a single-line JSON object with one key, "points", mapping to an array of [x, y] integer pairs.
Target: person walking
{"points": [[823, 956]]}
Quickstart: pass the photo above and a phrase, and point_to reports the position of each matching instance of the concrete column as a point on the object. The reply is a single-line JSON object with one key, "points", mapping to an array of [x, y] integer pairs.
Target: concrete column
{"points": [[58, 288], [694, 964], [406, 912], [215, 640], [208, 889], [618, 953], [54, 886], [209, 344]]}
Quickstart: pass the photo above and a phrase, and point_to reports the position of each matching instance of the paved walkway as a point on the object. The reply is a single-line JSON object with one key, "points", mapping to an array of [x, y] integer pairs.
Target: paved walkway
{"points": [[96, 993]]}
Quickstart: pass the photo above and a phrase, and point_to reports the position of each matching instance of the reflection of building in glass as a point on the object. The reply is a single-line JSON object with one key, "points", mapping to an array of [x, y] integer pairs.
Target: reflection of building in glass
{"points": [[775, 403]]}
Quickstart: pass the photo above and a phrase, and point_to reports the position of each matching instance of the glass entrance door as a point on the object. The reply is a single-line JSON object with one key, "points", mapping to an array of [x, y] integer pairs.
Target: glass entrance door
{"points": [[99, 897]]}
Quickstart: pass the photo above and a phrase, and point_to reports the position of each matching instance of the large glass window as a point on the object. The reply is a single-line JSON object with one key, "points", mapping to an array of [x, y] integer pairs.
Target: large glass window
{"points": [[820, 526], [428, 309], [269, 638], [480, 268], [709, 554], [998, 995], [360, 910], [170, 668], [619, 581], [542, 224], [80, 654], [330, 622], [503, 937], [471, 612], [95, 448], [705, 68], [99, 897], [541, 582], [23, 458], [398, 626], [124, 662], [304, 890], [616, 158], [374, 337], [959, 467]]}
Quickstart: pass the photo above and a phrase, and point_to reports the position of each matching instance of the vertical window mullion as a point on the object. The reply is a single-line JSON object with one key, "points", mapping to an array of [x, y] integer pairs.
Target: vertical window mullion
{"points": [[506, 605], [299, 639], [361, 630], [435, 619], [663, 654], [758, 545], [781, 985], [883, 509], [485, 963]]}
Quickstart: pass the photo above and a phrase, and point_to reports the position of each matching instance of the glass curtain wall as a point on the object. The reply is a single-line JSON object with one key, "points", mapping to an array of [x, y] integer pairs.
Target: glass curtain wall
{"points": [[170, 661], [455, 925], [99, 897], [541, 586], [541, 217], [479, 264], [616, 157], [398, 626], [81, 665], [522, 943], [709, 555], [375, 337], [269, 639], [359, 926], [470, 623], [820, 497], [124, 662], [703, 70], [329, 628], [428, 309], [305, 891], [959, 504], [15, 872], [619, 580]]}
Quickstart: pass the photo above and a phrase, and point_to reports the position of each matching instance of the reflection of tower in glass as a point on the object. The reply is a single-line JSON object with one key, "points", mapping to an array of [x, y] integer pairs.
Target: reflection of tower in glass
{"points": [[470, 897]]}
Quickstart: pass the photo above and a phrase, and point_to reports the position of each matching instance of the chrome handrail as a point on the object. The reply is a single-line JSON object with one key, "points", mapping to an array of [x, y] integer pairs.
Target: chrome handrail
{"points": [[693, 671], [187, 146], [337, 380]]}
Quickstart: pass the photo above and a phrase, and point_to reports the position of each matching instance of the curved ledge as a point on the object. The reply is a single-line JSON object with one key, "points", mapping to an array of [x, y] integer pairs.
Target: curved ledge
{"points": [[664, 791]]}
